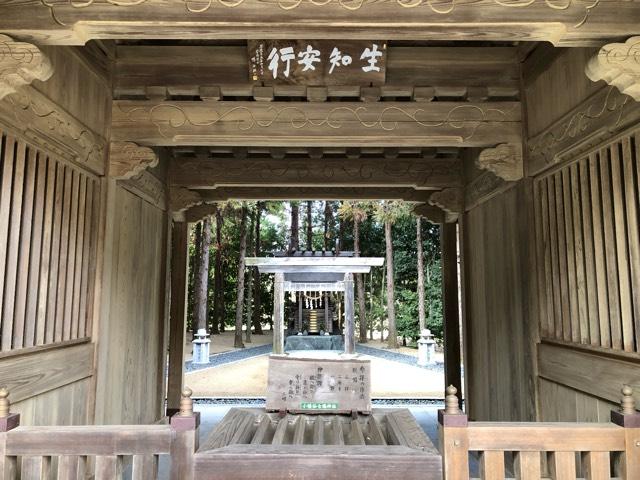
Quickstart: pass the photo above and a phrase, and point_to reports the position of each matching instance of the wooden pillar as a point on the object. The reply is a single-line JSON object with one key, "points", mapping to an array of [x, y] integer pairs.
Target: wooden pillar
{"points": [[327, 322], [278, 314], [178, 313], [349, 331], [449, 245], [299, 297]]}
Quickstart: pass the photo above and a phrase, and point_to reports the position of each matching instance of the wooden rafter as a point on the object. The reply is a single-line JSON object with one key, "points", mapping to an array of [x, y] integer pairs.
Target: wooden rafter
{"points": [[349, 124], [572, 23], [313, 193], [420, 173]]}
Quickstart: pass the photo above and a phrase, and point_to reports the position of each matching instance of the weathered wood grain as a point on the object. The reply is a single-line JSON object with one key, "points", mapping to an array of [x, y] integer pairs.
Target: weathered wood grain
{"points": [[577, 369], [32, 374], [316, 124], [489, 20]]}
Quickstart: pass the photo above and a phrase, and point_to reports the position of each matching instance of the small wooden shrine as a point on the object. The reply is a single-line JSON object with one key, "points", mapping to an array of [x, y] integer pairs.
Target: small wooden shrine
{"points": [[311, 278]]}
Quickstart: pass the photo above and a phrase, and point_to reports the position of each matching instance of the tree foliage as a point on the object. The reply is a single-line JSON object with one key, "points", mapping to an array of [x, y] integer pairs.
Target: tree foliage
{"points": [[275, 236]]}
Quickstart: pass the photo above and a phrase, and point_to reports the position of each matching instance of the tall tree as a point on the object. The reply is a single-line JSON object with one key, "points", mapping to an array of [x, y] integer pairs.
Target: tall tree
{"points": [[387, 212], [257, 307], [294, 243], [421, 311], [218, 294], [201, 288], [237, 342], [309, 225], [357, 212], [328, 226], [249, 295]]}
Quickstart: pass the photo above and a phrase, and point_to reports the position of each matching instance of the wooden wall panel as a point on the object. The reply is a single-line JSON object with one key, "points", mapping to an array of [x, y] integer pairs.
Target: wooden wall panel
{"points": [[79, 87], [588, 257], [130, 361], [547, 94], [43, 225], [592, 247], [498, 348], [66, 405]]}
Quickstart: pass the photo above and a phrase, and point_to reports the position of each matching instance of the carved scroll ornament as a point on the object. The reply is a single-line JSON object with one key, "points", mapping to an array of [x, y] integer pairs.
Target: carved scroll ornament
{"points": [[20, 64], [505, 161], [180, 199], [127, 159], [618, 64], [451, 200]]}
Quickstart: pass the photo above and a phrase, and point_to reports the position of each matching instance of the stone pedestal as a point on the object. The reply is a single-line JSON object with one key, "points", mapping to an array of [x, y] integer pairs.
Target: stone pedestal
{"points": [[426, 349], [201, 344]]}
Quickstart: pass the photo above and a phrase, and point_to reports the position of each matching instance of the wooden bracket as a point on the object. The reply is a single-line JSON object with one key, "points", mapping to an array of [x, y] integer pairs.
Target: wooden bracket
{"points": [[618, 64], [505, 161], [20, 64], [198, 212], [128, 159], [180, 199], [451, 200], [431, 213]]}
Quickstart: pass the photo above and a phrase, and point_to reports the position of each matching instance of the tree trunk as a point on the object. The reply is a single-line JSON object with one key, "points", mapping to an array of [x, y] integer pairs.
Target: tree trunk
{"points": [[362, 316], [249, 296], [391, 310], [257, 306], [218, 294], [328, 226], [309, 225], [294, 243], [237, 342], [421, 311], [201, 287]]}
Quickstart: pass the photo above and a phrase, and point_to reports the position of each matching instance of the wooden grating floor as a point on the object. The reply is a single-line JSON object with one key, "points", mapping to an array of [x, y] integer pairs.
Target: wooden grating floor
{"points": [[252, 443]]}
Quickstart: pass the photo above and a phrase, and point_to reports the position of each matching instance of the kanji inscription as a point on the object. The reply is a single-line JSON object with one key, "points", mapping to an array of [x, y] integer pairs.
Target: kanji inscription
{"points": [[321, 385], [317, 62]]}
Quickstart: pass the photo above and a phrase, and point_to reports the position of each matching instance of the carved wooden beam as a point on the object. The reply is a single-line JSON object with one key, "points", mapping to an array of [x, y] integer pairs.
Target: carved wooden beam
{"points": [[20, 64], [313, 193], [53, 129], [127, 159], [599, 117], [308, 124], [618, 64], [483, 188], [505, 161], [421, 173], [148, 187], [451, 200], [569, 23]]}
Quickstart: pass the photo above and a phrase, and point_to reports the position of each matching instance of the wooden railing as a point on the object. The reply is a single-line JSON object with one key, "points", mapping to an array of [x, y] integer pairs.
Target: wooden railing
{"points": [[531, 451], [100, 452]]}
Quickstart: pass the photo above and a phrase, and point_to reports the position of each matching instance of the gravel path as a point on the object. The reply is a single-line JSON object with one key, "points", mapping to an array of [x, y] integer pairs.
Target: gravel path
{"points": [[229, 357], [243, 354]]}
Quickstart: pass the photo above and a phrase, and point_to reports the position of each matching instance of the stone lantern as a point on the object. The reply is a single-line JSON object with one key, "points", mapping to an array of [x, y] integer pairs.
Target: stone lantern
{"points": [[201, 347], [426, 348]]}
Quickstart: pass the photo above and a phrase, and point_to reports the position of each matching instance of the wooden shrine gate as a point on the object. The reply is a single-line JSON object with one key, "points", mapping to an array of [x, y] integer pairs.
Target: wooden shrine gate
{"points": [[521, 450]]}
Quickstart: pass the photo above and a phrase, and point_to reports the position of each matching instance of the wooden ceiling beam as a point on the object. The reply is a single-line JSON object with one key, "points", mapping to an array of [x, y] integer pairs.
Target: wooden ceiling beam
{"points": [[287, 124], [574, 23], [417, 173], [141, 66], [313, 193]]}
